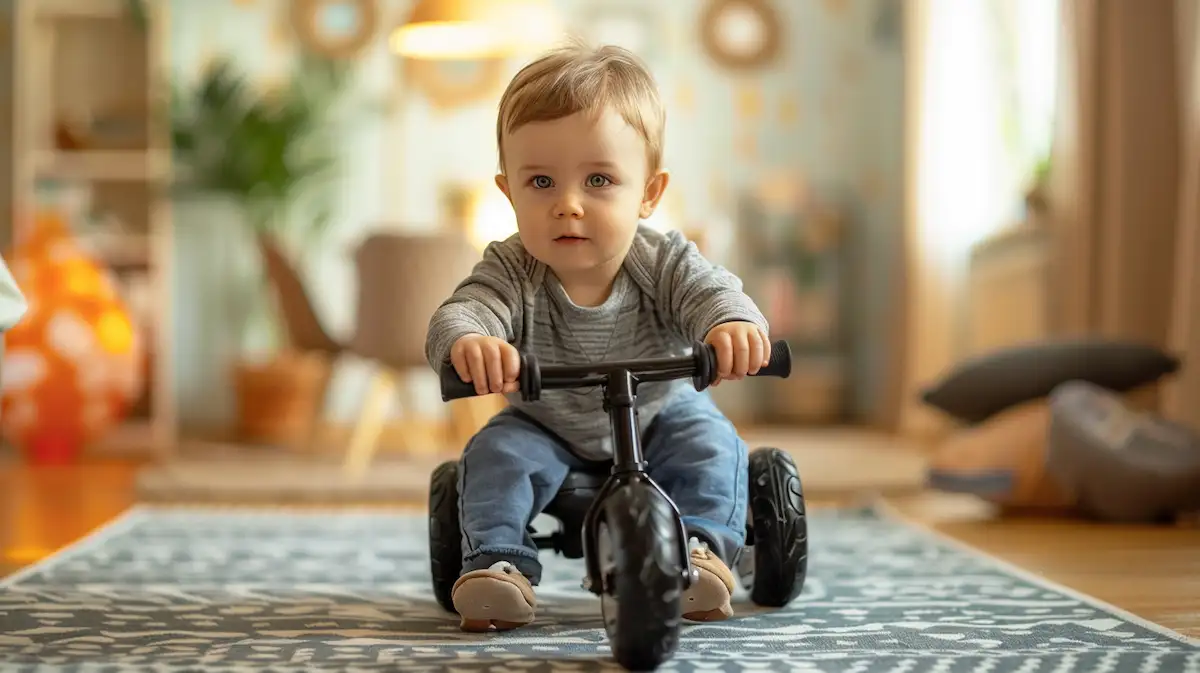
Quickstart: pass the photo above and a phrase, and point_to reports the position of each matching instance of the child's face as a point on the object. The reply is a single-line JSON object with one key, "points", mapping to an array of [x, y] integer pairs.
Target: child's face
{"points": [[578, 186]]}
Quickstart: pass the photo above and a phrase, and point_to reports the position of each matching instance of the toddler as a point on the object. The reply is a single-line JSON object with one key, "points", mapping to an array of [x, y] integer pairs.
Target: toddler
{"points": [[580, 136]]}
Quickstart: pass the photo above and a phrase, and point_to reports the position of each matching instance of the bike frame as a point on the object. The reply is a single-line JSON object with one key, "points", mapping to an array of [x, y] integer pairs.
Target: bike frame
{"points": [[619, 382]]}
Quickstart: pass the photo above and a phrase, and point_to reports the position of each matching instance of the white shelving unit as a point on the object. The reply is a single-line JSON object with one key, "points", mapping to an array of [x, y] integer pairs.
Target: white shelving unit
{"points": [[89, 105]]}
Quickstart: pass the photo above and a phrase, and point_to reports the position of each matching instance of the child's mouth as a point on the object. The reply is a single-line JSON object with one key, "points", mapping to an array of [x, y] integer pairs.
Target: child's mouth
{"points": [[570, 239]]}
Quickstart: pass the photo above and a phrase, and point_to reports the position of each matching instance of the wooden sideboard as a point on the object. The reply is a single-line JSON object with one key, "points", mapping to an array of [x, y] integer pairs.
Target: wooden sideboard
{"points": [[1007, 289]]}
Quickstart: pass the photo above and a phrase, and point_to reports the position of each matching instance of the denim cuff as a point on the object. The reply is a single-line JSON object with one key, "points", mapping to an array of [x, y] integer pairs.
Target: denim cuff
{"points": [[483, 559], [723, 541]]}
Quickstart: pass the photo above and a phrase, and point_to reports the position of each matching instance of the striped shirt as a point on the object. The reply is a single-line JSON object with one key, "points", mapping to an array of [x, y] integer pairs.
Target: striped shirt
{"points": [[666, 296]]}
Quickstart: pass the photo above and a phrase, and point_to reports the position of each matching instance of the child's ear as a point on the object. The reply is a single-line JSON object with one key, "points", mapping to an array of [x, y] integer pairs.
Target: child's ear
{"points": [[655, 187], [502, 183]]}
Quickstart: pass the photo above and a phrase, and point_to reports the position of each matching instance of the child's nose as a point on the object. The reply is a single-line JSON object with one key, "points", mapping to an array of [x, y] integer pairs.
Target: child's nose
{"points": [[568, 206]]}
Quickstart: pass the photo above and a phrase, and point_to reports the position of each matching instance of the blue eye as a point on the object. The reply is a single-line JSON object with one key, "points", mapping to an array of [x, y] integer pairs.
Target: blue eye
{"points": [[542, 182], [597, 180]]}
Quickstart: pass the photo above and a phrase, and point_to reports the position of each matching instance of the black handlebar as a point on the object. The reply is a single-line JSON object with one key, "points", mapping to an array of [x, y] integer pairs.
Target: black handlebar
{"points": [[700, 366]]}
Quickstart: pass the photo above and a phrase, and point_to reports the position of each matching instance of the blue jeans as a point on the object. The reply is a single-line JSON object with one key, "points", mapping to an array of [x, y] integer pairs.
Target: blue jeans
{"points": [[513, 467]]}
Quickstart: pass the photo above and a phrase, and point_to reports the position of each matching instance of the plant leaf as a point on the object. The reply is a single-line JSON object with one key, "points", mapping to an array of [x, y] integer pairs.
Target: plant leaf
{"points": [[277, 152]]}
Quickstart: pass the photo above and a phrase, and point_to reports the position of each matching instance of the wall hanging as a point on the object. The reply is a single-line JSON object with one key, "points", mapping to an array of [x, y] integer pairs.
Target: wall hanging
{"points": [[741, 34], [449, 84], [335, 28]]}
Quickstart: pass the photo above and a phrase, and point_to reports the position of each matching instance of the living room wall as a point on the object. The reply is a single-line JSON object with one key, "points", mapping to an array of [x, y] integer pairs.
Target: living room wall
{"points": [[827, 114]]}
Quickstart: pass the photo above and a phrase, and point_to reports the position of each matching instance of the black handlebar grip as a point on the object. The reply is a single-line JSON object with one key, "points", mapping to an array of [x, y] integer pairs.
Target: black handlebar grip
{"points": [[780, 363], [454, 388], [705, 355]]}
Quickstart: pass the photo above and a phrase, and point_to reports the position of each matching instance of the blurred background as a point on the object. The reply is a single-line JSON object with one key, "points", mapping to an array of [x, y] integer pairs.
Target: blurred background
{"points": [[232, 218]]}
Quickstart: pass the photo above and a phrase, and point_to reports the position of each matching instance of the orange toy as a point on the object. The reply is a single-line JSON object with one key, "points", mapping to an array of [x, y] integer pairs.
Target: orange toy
{"points": [[72, 365]]}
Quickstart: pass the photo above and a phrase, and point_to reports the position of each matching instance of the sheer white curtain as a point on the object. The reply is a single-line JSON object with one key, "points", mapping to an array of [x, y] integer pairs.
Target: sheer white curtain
{"points": [[961, 181], [980, 97]]}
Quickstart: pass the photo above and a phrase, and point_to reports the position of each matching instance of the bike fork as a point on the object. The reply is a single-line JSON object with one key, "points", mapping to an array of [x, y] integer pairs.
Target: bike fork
{"points": [[629, 467]]}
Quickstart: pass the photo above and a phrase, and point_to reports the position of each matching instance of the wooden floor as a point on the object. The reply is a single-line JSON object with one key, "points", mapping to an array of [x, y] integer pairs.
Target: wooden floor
{"points": [[1153, 572]]}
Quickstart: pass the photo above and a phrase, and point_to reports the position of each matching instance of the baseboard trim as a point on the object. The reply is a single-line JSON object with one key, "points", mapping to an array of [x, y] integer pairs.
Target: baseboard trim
{"points": [[331, 438]]}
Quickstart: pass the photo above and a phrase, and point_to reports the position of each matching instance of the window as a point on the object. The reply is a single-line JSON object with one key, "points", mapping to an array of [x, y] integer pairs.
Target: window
{"points": [[987, 87]]}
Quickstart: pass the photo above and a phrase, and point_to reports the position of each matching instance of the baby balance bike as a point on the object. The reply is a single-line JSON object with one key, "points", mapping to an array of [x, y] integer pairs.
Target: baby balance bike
{"points": [[624, 526]]}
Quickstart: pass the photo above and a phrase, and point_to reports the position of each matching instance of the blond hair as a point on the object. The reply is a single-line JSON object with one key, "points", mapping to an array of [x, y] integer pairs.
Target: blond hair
{"points": [[575, 78]]}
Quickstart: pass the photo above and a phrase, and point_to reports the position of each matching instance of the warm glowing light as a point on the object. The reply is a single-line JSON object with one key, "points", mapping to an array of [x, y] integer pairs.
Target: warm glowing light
{"points": [[491, 218], [474, 29], [447, 40]]}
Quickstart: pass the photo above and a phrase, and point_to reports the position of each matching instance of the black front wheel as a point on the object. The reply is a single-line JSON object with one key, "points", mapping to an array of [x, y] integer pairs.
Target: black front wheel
{"points": [[445, 537], [637, 545], [774, 567]]}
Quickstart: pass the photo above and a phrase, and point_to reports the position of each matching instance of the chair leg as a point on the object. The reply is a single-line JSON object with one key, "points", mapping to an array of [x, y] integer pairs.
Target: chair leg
{"points": [[365, 439], [469, 415], [317, 429], [406, 443]]}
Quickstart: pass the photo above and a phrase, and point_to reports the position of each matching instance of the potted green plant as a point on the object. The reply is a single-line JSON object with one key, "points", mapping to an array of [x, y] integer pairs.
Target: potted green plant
{"points": [[1037, 201], [271, 152]]}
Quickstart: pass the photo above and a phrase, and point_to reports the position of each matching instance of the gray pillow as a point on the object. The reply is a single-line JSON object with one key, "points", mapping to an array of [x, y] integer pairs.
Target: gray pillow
{"points": [[982, 386]]}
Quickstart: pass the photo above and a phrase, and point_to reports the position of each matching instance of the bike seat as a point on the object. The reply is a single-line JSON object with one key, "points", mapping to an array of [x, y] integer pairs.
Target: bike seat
{"points": [[571, 503], [586, 479]]}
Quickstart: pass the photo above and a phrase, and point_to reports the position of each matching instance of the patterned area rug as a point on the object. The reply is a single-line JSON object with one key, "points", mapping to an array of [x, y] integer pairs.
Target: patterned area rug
{"points": [[222, 590]]}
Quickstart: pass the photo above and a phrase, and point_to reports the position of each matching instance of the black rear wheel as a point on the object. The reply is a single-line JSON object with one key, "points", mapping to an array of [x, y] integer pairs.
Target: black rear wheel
{"points": [[445, 536], [774, 568], [638, 550]]}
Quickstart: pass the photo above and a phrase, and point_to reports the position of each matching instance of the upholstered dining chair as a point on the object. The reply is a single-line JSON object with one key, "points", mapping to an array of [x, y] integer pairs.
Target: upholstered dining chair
{"points": [[402, 278], [303, 328]]}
